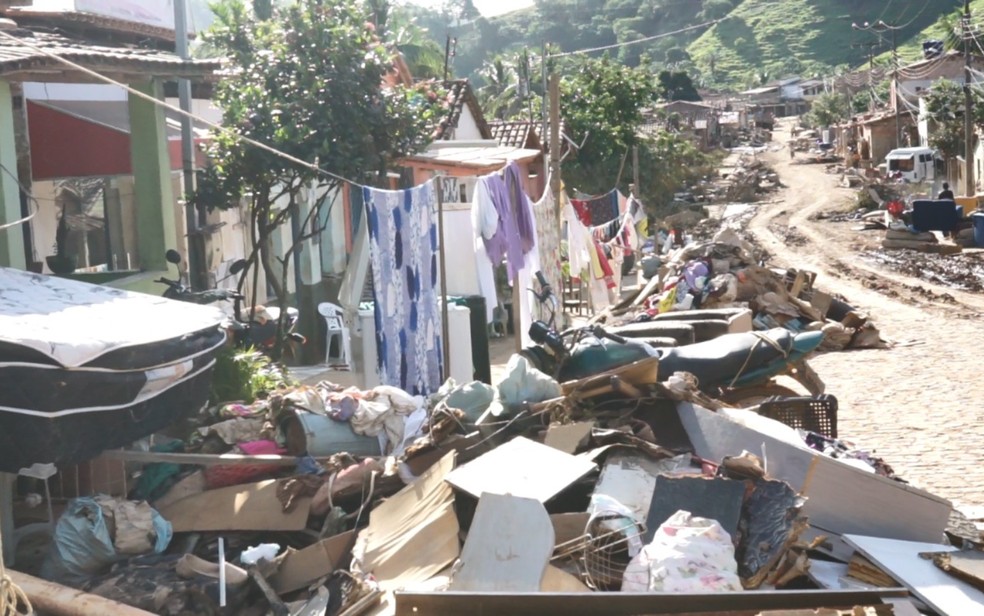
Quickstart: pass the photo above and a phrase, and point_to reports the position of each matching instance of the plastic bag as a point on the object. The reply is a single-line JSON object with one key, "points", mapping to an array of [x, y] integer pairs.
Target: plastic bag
{"points": [[688, 554], [83, 546]]}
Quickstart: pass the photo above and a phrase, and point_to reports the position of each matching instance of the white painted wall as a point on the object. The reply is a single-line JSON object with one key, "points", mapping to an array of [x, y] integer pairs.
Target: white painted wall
{"points": [[467, 129]]}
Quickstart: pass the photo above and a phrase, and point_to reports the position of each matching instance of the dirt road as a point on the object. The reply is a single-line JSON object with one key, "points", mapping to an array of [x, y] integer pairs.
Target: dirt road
{"points": [[919, 405]]}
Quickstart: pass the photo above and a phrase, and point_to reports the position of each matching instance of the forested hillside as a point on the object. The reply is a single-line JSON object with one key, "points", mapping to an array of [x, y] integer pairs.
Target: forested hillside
{"points": [[754, 41]]}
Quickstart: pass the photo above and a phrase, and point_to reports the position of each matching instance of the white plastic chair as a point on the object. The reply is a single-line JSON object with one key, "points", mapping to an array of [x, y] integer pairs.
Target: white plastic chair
{"points": [[337, 329]]}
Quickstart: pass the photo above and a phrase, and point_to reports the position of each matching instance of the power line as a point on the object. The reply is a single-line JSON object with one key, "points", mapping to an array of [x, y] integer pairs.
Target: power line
{"points": [[633, 42], [27, 193], [172, 108]]}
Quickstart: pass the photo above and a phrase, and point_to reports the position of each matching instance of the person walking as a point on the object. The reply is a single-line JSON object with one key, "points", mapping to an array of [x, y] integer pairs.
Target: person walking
{"points": [[946, 193]]}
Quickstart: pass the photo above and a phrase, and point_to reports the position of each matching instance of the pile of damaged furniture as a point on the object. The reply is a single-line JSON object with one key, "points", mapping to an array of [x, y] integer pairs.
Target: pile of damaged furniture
{"points": [[628, 491], [531, 497]]}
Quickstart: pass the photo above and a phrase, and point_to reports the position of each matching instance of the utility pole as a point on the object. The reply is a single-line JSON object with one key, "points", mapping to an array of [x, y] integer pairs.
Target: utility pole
{"points": [[878, 28], [555, 183], [970, 187], [635, 169], [898, 91], [197, 275]]}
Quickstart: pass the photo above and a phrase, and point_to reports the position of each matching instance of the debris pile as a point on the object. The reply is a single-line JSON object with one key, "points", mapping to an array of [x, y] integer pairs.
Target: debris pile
{"points": [[749, 179], [585, 491], [724, 273]]}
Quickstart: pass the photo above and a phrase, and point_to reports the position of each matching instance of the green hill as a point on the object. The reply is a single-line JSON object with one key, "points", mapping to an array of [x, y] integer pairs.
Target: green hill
{"points": [[766, 38], [755, 41]]}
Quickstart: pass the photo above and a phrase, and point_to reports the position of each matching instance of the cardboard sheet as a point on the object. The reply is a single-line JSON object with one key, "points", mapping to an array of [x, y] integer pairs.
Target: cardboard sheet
{"points": [[901, 560], [413, 535], [522, 468], [251, 506], [566, 438], [303, 567]]}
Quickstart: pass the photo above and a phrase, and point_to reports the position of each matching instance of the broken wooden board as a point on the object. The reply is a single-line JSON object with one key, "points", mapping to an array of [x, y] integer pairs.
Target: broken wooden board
{"points": [[522, 468], [841, 499], [412, 535], [568, 437], [901, 560], [833, 576], [863, 570], [771, 525], [629, 477], [716, 499], [508, 546], [251, 506], [967, 565], [187, 486], [302, 567], [642, 372]]}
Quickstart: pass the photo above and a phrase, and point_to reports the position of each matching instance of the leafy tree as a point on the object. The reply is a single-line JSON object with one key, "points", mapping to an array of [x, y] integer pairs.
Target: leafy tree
{"points": [[309, 82], [828, 109], [676, 86], [945, 108], [424, 57], [602, 103]]}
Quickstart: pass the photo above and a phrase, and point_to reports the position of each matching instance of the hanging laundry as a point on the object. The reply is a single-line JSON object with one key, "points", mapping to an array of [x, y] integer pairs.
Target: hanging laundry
{"points": [[597, 210], [548, 242], [403, 244], [504, 219]]}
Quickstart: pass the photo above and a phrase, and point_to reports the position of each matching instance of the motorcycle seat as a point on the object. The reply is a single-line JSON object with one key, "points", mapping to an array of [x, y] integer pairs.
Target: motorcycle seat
{"points": [[716, 362]]}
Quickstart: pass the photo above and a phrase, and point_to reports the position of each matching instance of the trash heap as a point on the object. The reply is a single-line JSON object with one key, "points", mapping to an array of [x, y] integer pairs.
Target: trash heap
{"points": [[724, 273], [750, 179], [531, 497]]}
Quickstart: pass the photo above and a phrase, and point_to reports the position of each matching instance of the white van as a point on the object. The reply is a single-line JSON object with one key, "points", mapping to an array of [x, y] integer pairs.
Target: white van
{"points": [[915, 164]]}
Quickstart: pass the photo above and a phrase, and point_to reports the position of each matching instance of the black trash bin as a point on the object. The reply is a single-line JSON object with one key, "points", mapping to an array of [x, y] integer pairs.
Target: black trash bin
{"points": [[481, 363]]}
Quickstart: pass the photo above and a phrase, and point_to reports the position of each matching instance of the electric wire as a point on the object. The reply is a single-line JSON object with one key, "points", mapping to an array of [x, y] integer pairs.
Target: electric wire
{"points": [[27, 193], [178, 110], [633, 42]]}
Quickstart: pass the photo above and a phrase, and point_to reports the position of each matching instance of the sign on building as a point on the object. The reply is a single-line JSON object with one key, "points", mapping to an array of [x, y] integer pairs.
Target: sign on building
{"points": [[159, 13]]}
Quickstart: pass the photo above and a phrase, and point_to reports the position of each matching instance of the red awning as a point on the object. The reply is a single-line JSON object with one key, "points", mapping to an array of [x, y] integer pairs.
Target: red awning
{"points": [[65, 145]]}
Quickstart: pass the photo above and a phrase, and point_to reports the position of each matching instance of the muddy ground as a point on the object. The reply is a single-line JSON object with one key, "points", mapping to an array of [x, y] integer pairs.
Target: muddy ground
{"points": [[920, 405]]}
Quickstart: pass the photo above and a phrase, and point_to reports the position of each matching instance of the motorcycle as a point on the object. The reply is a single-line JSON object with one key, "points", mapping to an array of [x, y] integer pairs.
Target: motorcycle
{"points": [[736, 368], [259, 332]]}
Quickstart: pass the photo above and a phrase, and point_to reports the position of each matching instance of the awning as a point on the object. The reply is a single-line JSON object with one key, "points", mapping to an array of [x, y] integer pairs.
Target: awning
{"points": [[471, 156], [86, 139]]}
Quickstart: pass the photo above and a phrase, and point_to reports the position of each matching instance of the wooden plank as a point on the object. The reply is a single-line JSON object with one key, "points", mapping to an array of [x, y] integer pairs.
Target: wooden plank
{"points": [[841, 499], [833, 576], [200, 459], [901, 559], [508, 547], [251, 506], [627, 604], [523, 468], [413, 535], [967, 565]]}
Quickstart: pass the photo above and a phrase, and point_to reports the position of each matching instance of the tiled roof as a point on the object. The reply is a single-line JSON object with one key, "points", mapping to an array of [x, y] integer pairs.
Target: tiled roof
{"points": [[514, 134], [16, 57], [460, 94], [33, 16]]}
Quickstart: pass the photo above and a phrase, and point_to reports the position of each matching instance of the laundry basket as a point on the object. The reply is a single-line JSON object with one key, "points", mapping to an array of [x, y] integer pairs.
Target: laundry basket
{"points": [[817, 414]]}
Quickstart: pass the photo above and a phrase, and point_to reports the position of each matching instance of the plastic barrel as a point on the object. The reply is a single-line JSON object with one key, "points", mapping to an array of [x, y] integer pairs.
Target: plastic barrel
{"points": [[317, 435], [978, 218]]}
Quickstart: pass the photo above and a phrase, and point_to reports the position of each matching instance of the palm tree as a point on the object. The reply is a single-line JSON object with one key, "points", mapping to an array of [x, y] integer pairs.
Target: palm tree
{"points": [[499, 95]]}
